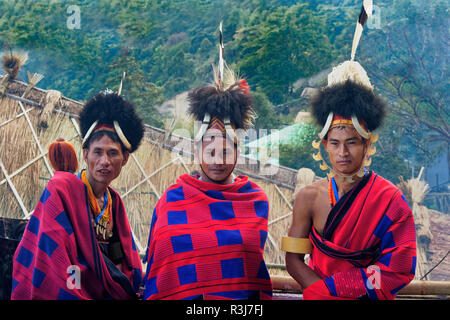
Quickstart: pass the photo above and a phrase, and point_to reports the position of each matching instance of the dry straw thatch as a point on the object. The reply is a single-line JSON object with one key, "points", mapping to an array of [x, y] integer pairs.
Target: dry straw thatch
{"points": [[148, 173], [415, 191]]}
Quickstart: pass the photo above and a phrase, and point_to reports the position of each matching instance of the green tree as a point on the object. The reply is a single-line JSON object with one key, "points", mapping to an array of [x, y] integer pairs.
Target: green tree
{"points": [[410, 68], [137, 88], [285, 45], [266, 118]]}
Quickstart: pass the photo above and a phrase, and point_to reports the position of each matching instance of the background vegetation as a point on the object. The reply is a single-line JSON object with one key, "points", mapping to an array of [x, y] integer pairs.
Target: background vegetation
{"points": [[167, 47]]}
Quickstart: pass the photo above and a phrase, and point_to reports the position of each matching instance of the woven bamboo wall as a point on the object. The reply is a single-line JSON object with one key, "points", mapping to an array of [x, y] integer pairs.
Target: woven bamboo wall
{"points": [[27, 127]]}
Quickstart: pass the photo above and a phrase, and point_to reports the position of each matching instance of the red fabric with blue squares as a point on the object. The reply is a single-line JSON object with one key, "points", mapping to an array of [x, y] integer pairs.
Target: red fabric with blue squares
{"points": [[207, 241]]}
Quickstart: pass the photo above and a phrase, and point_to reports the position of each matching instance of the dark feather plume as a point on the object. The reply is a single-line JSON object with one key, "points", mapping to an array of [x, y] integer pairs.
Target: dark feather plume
{"points": [[232, 102], [362, 19]]}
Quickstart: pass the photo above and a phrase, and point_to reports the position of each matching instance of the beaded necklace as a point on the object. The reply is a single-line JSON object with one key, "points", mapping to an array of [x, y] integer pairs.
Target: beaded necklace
{"points": [[102, 217], [333, 195]]}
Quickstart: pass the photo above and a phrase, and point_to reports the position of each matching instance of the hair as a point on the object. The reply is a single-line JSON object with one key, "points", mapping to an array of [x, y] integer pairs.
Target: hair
{"points": [[110, 107], [62, 156], [232, 102], [347, 99]]}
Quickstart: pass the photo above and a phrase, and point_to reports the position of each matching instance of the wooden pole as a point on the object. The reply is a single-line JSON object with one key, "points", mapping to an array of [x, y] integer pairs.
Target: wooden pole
{"points": [[426, 287], [415, 287]]}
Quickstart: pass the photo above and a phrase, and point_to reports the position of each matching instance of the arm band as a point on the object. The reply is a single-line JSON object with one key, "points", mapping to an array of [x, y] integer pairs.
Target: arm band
{"points": [[296, 245]]}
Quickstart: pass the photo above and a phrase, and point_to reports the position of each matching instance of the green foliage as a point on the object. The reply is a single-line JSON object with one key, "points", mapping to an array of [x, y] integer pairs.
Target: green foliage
{"points": [[168, 46], [286, 44], [298, 153], [390, 167], [410, 68], [174, 43], [266, 118], [136, 87]]}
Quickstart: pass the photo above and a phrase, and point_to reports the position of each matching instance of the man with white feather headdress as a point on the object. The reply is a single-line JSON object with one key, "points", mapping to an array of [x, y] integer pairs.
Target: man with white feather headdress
{"points": [[356, 226]]}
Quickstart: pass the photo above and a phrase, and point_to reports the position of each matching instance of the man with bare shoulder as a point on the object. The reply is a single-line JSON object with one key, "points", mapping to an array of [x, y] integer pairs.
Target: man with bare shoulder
{"points": [[356, 226]]}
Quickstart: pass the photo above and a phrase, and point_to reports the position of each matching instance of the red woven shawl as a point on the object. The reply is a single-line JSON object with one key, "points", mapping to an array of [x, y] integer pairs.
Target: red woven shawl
{"points": [[368, 248], [207, 242], [59, 245]]}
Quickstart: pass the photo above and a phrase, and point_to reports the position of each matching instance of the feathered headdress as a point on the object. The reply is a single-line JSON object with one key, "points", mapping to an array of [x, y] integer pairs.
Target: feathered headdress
{"points": [[364, 15], [225, 105], [108, 111], [348, 99]]}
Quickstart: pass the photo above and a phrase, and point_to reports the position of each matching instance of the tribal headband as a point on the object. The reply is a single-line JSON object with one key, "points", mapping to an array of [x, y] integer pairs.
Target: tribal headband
{"points": [[96, 127], [336, 120]]}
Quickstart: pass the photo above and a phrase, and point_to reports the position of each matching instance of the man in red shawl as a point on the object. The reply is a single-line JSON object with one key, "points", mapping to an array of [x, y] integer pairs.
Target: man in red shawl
{"points": [[357, 226], [78, 242], [208, 231]]}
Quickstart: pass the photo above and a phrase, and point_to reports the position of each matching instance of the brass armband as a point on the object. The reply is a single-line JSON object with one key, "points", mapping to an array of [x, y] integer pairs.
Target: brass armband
{"points": [[296, 245]]}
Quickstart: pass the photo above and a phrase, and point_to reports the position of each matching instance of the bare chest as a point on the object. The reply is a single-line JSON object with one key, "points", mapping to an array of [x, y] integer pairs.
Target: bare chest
{"points": [[321, 211]]}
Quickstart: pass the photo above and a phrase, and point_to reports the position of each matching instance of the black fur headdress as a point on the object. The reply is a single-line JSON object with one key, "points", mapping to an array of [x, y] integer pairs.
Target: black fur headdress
{"points": [[347, 99], [233, 102], [111, 109]]}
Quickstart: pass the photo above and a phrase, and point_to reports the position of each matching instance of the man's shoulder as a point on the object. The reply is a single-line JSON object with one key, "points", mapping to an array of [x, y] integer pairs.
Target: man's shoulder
{"points": [[386, 186], [62, 179], [173, 193], [306, 197], [312, 190], [384, 181], [65, 186], [248, 185]]}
